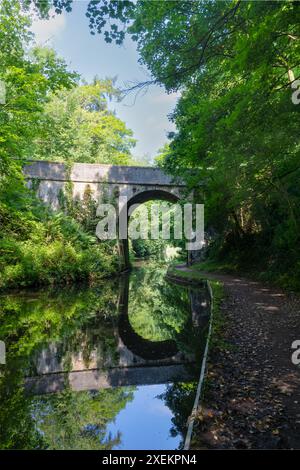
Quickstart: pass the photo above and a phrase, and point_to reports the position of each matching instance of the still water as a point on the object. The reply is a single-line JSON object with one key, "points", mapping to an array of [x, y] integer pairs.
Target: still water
{"points": [[109, 367]]}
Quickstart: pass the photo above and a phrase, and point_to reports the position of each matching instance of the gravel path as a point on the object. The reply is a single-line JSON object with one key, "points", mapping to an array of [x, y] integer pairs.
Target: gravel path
{"points": [[252, 399]]}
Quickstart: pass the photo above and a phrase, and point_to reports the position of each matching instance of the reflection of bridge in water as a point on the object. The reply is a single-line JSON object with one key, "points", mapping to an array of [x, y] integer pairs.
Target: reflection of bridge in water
{"points": [[140, 361]]}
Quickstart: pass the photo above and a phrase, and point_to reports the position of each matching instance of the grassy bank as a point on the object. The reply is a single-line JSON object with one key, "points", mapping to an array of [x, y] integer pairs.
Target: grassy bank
{"points": [[272, 274]]}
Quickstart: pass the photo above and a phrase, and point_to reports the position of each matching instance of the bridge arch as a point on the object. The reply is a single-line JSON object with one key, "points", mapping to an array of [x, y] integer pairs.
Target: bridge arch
{"points": [[144, 348], [146, 195]]}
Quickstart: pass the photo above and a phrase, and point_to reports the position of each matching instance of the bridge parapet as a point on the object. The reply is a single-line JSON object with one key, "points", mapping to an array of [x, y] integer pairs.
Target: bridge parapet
{"points": [[102, 181], [99, 173]]}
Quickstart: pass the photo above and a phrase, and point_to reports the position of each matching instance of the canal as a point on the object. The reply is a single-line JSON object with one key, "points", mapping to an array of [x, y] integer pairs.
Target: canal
{"points": [[113, 366]]}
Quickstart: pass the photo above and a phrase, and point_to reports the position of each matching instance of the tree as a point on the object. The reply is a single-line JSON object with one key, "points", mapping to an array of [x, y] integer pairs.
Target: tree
{"points": [[28, 81], [79, 127]]}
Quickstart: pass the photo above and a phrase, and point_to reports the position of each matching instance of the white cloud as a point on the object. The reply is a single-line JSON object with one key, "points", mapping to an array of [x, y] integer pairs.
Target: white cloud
{"points": [[45, 30]]}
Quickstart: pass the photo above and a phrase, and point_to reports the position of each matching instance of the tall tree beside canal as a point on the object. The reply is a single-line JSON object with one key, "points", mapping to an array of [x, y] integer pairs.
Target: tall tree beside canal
{"points": [[79, 127]]}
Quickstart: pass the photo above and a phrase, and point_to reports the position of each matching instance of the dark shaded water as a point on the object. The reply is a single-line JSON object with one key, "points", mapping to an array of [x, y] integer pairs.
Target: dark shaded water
{"points": [[110, 367]]}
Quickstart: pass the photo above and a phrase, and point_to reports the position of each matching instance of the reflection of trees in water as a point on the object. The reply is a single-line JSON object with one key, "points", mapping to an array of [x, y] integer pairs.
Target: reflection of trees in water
{"points": [[66, 420], [77, 319], [28, 323], [179, 398], [78, 420], [96, 333], [16, 424], [150, 313], [159, 310]]}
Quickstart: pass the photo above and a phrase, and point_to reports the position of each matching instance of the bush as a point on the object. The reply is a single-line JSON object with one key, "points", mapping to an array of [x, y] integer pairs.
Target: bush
{"points": [[53, 249], [61, 262]]}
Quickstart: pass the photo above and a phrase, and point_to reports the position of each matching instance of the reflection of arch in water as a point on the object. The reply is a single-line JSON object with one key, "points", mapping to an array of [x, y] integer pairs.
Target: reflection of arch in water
{"points": [[140, 198], [167, 349], [155, 350], [165, 361]]}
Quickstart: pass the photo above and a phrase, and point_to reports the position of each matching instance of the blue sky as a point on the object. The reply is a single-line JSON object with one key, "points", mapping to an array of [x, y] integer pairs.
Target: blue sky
{"points": [[148, 415], [90, 55]]}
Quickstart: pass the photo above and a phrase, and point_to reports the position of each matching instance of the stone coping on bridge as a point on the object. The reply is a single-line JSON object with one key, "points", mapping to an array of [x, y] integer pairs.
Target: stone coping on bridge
{"points": [[98, 173]]}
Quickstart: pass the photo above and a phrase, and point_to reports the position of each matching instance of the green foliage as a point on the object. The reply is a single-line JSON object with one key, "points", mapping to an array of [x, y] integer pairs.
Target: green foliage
{"points": [[28, 80], [55, 262], [149, 248], [78, 127], [38, 247]]}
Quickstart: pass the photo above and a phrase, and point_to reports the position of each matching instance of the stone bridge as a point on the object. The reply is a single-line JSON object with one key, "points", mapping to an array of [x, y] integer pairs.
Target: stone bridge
{"points": [[104, 183]]}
